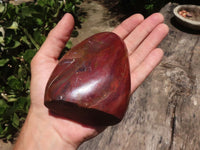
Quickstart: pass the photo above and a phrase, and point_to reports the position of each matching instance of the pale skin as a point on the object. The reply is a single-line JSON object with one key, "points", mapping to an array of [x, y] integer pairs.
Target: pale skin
{"points": [[42, 131]]}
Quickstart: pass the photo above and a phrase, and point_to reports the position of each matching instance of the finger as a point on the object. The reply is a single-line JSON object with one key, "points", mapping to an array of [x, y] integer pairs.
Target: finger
{"points": [[57, 38], [134, 39], [145, 68], [128, 25], [150, 43]]}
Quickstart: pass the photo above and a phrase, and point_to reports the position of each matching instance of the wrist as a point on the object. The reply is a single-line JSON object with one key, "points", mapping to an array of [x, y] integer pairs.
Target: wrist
{"points": [[37, 134]]}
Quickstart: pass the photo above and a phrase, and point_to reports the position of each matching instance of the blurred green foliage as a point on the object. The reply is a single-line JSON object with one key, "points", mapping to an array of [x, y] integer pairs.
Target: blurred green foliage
{"points": [[23, 28]]}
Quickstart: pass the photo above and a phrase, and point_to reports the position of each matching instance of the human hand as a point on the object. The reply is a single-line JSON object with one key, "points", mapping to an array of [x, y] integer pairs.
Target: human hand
{"points": [[49, 132]]}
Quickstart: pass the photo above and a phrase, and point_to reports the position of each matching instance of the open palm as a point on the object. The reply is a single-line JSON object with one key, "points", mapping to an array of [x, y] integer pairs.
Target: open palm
{"points": [[141, 38]]}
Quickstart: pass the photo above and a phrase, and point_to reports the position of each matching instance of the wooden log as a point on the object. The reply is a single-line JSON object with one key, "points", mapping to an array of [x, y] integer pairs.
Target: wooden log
{"points": [[164, 111]]}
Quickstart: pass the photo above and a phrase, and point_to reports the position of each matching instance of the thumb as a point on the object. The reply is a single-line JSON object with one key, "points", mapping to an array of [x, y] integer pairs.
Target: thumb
{"points": [[57, 38]]}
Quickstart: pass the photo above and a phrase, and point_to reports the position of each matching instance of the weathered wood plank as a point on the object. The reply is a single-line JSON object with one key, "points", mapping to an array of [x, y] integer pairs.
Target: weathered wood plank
{"points": [[164, 111]]}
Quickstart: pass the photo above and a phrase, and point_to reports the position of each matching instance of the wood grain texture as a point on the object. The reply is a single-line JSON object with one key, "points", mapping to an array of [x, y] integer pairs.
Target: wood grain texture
{"points": [[164, 111]]}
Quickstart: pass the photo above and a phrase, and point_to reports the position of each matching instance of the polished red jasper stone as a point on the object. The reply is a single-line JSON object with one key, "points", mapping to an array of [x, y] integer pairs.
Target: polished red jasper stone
{"points": [[91, 83]]}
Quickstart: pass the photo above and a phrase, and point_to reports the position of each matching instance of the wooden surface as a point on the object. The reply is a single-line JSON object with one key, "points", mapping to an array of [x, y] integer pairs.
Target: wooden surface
{"points": [[164, 112]]}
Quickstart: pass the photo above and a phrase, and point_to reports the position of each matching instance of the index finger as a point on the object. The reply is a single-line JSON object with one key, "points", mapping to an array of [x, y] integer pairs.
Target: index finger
{"points": [[128, 25]]}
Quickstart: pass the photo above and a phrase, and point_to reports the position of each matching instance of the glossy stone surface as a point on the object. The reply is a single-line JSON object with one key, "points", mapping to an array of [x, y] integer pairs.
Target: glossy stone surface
{"points": [[91, 83]]}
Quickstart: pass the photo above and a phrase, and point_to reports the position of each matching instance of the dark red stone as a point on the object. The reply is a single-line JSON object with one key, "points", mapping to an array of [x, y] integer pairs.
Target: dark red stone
{"points": [[91, 83]]}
